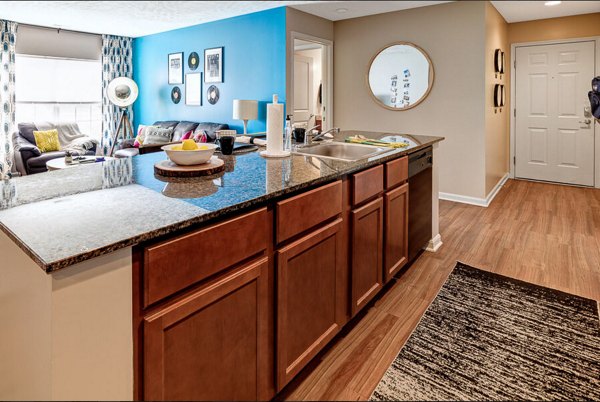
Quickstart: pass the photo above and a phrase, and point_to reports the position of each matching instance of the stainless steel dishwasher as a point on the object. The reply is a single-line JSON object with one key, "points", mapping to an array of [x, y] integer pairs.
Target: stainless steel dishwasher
{"points": [[420, 166]]}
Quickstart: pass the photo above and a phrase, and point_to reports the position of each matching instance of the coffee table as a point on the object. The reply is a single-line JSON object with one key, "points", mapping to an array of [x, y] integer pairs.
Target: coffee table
{"points": [[59, 163]]}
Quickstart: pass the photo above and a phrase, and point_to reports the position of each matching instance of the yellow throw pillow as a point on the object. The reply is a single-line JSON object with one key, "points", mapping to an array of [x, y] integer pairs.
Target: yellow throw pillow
{"points": [[47, 141]]}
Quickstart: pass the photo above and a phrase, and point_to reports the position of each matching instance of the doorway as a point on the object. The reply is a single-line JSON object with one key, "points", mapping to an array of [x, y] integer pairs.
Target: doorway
{"points": [[554, 130], [311, 87]]}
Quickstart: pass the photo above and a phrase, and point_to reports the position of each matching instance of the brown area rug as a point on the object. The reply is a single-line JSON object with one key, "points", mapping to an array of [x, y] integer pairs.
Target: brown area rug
{"points": [[489, 337]]}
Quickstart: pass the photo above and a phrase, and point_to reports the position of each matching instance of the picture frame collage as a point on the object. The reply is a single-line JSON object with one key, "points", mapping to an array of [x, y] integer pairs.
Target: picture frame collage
{"points": [[193, 79]]}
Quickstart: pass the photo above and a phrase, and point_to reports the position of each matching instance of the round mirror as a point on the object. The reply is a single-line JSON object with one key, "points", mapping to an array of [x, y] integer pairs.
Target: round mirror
{"points": [[400, 76]]}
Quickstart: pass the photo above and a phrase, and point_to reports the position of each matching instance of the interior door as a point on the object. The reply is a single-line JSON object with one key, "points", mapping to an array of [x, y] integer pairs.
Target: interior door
{"points": [[554, 139], [303, 92]]}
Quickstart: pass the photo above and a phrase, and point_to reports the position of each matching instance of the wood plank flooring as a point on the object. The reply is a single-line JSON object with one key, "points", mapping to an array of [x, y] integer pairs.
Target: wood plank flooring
{"points": [[541, 233]]}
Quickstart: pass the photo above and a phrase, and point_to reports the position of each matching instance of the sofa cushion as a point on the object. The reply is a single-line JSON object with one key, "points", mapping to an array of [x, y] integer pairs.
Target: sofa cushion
{"points": [[166, 124], [211, 129], [155, 135], [26, 131], [40, 161], [183, 127], [126, 153]]}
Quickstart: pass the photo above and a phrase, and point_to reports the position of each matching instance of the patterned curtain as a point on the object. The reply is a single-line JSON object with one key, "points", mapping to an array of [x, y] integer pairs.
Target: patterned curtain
{"points": [[8, 37], [116, 62]]}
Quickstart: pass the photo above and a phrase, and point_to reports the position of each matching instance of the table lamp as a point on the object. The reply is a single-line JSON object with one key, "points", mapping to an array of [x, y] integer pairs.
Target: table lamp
{"points": [[245, 110]]}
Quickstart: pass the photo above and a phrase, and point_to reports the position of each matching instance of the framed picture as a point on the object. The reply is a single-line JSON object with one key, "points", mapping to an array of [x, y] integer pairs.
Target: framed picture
{"points": [[213, 65], [176, 68], [193, 89]]}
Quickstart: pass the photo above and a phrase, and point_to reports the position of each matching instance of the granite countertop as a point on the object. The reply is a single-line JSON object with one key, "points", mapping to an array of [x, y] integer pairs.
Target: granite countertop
{"points": [[63, 217]]}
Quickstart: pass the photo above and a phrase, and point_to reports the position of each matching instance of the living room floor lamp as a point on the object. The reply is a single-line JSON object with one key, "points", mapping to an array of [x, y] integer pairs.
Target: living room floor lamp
{"points": [[122, 92], [245, 110]]}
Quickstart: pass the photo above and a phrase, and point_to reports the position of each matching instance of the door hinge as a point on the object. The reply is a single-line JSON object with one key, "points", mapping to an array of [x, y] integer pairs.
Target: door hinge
{"points": [[515, 112], [515, 64], [514, 160]]}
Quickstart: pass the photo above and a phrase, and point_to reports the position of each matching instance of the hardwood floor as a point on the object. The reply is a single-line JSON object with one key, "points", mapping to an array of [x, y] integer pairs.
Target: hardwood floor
{"points": [[541, 233]]}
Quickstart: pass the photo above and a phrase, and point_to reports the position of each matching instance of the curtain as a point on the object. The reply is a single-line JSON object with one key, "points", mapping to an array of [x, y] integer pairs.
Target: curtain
{"points": [[116, 62], [8, 37]]}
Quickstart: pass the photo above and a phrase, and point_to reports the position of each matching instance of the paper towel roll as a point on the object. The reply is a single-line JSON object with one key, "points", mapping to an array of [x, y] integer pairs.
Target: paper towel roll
{"points": [[274, 127]]}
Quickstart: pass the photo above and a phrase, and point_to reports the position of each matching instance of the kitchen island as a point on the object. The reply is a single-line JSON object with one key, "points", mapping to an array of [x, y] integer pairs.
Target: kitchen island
{"points": [[127, 255]]}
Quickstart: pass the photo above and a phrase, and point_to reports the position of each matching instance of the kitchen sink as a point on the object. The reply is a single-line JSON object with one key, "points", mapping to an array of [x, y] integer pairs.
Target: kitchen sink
{"points": [[341, 151]]}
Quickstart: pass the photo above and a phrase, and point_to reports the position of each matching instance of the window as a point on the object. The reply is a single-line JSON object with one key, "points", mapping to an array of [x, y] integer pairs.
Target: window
{"points": [[59, 90]]}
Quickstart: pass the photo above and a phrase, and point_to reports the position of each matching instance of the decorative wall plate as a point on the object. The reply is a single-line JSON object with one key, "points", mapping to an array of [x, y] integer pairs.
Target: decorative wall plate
{"points": [[499, 95], [212, 94], [193, 61], [176, 95]]}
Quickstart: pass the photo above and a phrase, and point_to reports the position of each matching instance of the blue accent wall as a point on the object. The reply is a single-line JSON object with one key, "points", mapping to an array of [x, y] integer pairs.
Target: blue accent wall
{"points": [[254, 60]]}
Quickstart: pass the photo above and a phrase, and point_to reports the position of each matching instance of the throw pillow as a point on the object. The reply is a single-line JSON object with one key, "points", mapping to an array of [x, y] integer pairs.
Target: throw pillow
{"points": [[47, 141], [138, 142], [141, 132], [155, 135], [187, 135], [26, 130], [201, 136]]}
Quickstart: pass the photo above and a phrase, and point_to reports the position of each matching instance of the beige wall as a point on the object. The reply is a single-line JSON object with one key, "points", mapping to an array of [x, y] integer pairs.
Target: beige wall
{"points": [[299, 21], [577, 26], [26, 325], [67, 335], [496, 122], [453, 35]]}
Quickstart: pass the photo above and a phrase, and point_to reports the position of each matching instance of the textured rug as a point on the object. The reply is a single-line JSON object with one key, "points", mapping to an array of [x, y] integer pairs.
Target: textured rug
{"points": [[489, 337]]}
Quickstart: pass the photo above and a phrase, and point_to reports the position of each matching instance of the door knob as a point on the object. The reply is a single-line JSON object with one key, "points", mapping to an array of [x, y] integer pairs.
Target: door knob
{"points": [[586, 121]]}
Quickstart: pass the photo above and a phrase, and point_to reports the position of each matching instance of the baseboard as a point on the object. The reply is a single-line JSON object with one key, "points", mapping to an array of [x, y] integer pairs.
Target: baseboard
{"points": [[435, 243], [480, 202]]}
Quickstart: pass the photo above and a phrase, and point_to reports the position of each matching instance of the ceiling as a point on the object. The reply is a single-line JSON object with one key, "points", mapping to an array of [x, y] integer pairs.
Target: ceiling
{"points": [[139, 18], [517, 11], [329, 9]]}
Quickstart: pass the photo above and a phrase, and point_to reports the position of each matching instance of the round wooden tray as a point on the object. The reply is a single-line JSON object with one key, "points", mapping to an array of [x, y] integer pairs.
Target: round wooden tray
{"points": [[169, 169]]}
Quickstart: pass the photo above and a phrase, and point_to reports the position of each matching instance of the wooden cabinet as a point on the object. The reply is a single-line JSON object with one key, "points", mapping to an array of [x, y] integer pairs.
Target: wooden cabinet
{"points": [[239, 323], [174, 264], [309, 275], [396, 172], [367, 184], [298, 214], [211, 344], [396, 231], [366, 245]]}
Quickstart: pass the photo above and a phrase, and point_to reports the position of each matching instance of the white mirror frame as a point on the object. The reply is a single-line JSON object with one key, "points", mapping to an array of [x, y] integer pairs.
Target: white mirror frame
{"points": [[430, 76]]}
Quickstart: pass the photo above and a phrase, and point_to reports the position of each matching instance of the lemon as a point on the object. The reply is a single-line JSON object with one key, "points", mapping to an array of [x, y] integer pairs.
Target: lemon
{"points": [[202, 147], [176, 148], [189, 145]]}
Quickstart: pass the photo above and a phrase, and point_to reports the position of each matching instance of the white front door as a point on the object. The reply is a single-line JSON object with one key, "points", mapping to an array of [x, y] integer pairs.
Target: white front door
{"points": [[303, 92], [554, 140]]}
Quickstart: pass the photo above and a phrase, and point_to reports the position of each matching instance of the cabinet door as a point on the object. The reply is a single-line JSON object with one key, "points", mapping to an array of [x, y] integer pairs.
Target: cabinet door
{"points": [[210, 345], [396, 231], [309, 274], [367, 249]]}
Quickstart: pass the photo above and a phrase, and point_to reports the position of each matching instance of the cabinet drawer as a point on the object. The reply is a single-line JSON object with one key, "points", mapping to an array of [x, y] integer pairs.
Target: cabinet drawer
{"points": [[304, 211], [174, 264], [396, 172], [367, 184]]}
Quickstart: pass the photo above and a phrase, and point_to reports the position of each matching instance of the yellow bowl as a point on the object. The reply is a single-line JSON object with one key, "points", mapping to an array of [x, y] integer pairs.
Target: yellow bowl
{"points": [[189, 157]]}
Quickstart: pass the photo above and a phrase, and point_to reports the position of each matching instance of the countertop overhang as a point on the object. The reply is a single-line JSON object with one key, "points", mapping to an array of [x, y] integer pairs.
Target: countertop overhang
{"points": [[64, 217]]}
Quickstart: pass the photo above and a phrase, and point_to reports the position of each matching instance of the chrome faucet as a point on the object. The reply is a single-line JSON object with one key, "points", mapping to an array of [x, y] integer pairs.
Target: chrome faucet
{"points": [[335, 130]]}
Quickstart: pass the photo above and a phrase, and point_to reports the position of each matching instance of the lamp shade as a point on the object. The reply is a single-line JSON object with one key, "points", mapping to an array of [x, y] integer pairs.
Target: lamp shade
{"points": [[122, 91], [245, 109]]}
